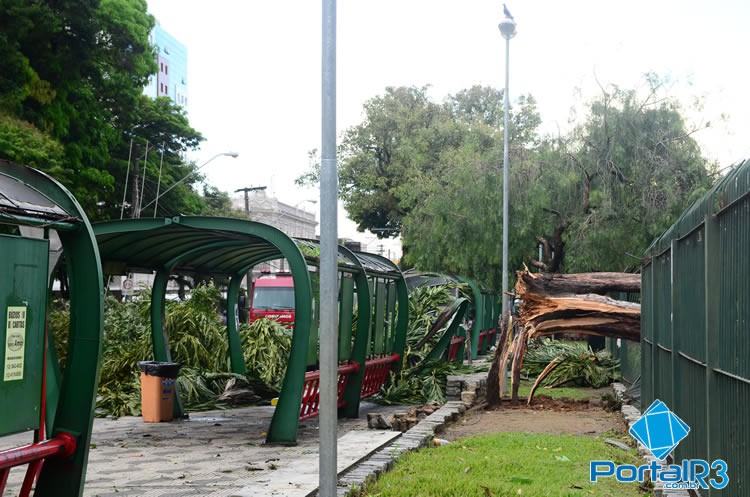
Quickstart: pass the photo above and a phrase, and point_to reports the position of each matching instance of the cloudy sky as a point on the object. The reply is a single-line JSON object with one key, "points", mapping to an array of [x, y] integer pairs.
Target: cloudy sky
{"points": [[254, 68]]}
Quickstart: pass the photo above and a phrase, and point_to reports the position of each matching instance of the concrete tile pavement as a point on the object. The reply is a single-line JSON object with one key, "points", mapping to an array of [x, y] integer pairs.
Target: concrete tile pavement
{"points": [[214, 453]]}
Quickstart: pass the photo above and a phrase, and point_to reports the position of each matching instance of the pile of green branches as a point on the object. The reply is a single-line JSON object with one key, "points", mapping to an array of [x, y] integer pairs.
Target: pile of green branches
{"points": [[197, 341], [421, 382], [425, 305], [578, 364], [425, 384], [266, 345]]}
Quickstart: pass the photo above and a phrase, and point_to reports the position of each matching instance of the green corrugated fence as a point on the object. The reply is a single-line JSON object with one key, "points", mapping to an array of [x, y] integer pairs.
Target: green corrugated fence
{"points": [[695, 327]]}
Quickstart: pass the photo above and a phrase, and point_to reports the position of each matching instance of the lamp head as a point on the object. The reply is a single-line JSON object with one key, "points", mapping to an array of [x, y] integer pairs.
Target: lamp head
{"points": [[507, 28], [233, 155]]}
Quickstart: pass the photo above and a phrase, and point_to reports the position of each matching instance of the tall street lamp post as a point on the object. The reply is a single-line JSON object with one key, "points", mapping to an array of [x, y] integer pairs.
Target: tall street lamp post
{"points": [[328, 256], [508, 30]]}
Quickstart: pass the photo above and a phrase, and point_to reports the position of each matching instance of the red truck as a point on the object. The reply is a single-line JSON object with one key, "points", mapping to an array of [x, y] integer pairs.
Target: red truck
{"points": [[273, 298]]}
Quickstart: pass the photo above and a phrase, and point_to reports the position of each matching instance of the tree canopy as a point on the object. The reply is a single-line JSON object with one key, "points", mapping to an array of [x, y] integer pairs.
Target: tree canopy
{"points": [[593, 199], [72, 74]]}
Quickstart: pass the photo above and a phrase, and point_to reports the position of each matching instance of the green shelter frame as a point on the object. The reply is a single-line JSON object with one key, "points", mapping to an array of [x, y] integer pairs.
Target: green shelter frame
{"points": [[33, 199], [229, 248], [485, 305]]}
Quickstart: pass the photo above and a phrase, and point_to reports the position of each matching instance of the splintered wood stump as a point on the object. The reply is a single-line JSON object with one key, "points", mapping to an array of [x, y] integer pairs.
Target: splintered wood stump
{"points": [[546, 309], [565, 304]]}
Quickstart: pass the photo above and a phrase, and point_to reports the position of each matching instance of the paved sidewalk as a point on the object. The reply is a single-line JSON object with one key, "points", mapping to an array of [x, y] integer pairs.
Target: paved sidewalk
{"points": [[214, 453]]}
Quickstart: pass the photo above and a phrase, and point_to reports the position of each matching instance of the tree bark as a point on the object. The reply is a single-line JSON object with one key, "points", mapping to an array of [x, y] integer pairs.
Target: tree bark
{"points": [[552, 303], [494, 393], [600, 283]]}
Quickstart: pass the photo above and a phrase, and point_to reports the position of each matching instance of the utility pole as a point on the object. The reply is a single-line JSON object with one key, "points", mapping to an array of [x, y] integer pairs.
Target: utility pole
{"points": [[247, 191], [328, 258]]}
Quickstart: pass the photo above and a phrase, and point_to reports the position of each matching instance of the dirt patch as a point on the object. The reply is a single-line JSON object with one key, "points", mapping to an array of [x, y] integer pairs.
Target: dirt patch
{"points": [[545, 416]]}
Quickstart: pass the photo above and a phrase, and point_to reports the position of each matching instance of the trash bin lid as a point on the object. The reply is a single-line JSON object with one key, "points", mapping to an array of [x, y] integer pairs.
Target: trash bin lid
{"points": [[161, 369]]}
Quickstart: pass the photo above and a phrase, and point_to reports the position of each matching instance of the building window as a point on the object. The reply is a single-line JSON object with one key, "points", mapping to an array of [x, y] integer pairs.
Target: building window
{"points": [[161, 66], [166, 69]]}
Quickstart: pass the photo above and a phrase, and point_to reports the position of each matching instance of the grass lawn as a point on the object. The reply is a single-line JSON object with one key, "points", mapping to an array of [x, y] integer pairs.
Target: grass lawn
{"points": [[506, 465], [571, 393]]}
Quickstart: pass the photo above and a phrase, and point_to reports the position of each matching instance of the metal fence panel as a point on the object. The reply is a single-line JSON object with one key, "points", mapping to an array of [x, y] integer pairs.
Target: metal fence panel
{"points": [[695, 326]]}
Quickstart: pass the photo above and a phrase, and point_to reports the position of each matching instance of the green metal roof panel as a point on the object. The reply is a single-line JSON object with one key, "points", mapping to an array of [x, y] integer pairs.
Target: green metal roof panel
{"points": [[27, 193], [311, 250], [158, 243], [377, 264]]}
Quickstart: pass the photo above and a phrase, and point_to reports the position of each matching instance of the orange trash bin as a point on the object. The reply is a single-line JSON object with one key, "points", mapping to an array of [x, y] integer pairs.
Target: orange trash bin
{"points": [[158, 390]]}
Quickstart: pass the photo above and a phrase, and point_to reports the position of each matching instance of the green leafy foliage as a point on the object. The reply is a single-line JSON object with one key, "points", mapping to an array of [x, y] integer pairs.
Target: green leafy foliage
{"points": [[423, 385], [425, 304], [594, 197], [421, 382], [266, 345], [71, 99], [579, 365], [197, 341]]}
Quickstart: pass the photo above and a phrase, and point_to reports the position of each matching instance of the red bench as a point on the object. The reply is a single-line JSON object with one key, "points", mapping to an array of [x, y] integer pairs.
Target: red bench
{"points": [[376, 374], [454, 347], [311, 390]]}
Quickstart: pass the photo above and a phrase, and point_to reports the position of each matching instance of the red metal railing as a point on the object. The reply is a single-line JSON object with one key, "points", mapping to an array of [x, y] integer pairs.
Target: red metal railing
{"points": [[454, 347], [482, 336], [491, 337], [34, 454], [376, 374], [311, 390], [63, 444]]}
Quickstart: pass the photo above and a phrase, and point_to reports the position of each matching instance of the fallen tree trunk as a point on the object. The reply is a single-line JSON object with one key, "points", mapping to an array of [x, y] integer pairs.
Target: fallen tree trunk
{"points": [[565, 304], [546, 309], [600, 283], [495, 377], [587, 314]]}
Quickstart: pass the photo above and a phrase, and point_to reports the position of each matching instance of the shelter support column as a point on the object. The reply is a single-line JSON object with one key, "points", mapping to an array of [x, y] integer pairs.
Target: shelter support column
{"points": [[236, 357], [159, 338], [353, 391], [402, 321], [160, 341]]}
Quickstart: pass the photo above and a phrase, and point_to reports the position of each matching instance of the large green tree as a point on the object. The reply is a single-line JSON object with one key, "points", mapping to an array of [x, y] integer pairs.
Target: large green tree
{"points": [[619, 179], [72, 74], [405, 137], [592, 199]]}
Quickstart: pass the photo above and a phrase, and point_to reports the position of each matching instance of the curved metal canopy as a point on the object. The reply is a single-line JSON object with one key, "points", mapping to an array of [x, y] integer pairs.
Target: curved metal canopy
{"points": [[186, 244], [214, 246], [229, 248], [377, 265], [416, 279]]}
